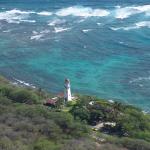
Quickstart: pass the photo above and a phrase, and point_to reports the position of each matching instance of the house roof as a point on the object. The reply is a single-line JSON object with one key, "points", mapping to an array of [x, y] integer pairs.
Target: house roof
{"points": [[51, 101]]}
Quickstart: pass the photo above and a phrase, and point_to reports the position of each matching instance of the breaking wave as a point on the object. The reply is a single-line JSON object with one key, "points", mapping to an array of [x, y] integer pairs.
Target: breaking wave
{"points": [[23, 83], [82, 12], [45, 13], [137, 25], [56, 22], [38, 35], [86, 30], [15, 16], [60, 29], [125, 12], [119, 12]]}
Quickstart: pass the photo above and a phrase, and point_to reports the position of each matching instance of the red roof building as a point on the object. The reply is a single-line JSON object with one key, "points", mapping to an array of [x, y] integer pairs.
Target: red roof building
{"points": [[50, 102]]}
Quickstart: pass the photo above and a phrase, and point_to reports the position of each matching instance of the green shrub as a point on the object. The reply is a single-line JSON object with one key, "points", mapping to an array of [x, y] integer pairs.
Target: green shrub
{"points": [[45, 144], [7, 144], [129, 143], [80, 144], [24, 96], [111, 147], [5, 101], [80, 112], [131, 122], [135, 144], [5, 90], [51, 130], [143, 135]]}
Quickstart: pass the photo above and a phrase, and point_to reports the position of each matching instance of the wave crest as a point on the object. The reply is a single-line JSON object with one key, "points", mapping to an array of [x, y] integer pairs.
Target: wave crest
{"points": [[82, 12], [56, 22], [15, 16], [60, 29], [137, 25], [38, 35], [86, 30], [45, 13], [23, 83], [125, 12]]}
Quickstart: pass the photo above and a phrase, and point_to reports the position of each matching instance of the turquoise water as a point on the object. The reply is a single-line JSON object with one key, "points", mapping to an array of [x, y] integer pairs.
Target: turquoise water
{"points": [[103, 47]]}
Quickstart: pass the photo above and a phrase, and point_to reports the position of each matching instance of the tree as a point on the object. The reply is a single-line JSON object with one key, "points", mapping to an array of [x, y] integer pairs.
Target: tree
{"points": [[80, 112]]}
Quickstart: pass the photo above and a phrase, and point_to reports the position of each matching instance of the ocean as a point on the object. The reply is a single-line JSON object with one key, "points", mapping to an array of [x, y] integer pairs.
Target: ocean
{"points": [[102, 46]]}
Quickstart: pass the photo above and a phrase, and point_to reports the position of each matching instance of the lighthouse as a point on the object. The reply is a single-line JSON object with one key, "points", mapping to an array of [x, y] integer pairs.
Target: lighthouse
{"points": [[67, 93]]}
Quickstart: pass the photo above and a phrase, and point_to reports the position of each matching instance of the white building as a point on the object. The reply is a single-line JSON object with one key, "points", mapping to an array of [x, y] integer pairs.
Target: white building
{"points": [[67, 93]]}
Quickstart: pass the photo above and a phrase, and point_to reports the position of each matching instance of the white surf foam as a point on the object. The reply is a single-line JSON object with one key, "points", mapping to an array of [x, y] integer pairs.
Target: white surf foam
{"points": [[7, 31], [38, 35], [23, 83], [15, 16], [124, 28], [45, 13], [118, 6], [56, 22], [111, 101], [60, 29], [138, 25], [125, 12], [115, 28], [121, 42], [143, 8], [99, 24], [143, 24], [34, 32], [29, 21], [82, 12], [122, 13], [86, 30]]}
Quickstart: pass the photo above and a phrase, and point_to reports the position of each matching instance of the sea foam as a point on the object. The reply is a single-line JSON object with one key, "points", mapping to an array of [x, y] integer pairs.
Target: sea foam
{"points": [[86, 30], [38, 35], [45, 13], [56, 22], [15, 16], [125, 12], [143, 24], [137, 25], [60, 29], [23, 83], [82, 12]]}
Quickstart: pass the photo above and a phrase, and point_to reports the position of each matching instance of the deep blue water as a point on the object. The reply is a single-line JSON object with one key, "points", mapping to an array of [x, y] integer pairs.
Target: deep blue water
{"points": [[103, 46]]}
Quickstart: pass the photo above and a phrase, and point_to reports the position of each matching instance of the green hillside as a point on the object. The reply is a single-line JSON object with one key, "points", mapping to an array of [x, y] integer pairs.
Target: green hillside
{"points": [[27, 124]]}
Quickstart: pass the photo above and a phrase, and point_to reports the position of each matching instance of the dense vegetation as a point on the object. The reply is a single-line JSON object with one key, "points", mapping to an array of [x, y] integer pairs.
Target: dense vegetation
{"points": [[26, 124], [130, 121]]}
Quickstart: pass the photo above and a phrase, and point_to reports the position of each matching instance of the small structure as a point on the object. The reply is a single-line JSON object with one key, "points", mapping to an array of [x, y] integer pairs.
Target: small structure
{"points": [[67, 93], [51, 102]]}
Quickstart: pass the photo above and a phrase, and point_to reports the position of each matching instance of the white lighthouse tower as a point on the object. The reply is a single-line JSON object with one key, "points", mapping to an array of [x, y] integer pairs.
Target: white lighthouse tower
{"points": [[67, 93]]}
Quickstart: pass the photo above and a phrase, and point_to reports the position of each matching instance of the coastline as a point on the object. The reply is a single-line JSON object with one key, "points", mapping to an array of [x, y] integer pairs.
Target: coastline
{"points": [[102, 122], [25, 84]]}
